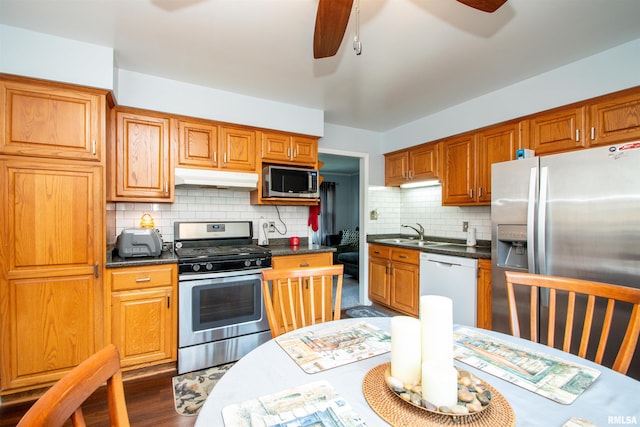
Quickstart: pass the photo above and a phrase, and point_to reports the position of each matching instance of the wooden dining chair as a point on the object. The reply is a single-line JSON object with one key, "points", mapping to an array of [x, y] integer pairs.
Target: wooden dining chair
{"points": [[64, 399], [298, 297], [571, 288]]}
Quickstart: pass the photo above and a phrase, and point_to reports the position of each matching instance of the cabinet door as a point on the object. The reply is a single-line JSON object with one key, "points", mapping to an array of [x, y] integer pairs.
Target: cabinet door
{"points": [[276, 147], [459, 171], [51, 121], [484, 294], [558, 131], [238, 149], [197, 144], [142, 325], [301, 261], [305, 150], [423, 162], [379, 280], [405, 292], [616, 120], [396, 166], [51, 294], [142, 163], [496, 144]]}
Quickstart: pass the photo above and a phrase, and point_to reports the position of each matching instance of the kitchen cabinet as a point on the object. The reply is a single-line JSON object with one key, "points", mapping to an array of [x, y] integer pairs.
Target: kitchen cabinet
{"points": [[558, 130], [144, 314], [484, 294], [615, 119], [238, 148], [419, 163], [197, 144], [296, 150], [51, 120], [308, 260], [51, 252], [468, 159], [394, 278], [140, 163]]}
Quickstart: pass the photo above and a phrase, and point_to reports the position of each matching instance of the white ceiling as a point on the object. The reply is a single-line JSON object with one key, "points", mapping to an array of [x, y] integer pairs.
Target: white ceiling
{"points": [[418, 57]]}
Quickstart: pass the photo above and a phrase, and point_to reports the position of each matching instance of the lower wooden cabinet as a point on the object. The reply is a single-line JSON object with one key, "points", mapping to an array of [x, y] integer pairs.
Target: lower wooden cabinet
{"points": [[394, 278], [484, 294], [144, 314]]}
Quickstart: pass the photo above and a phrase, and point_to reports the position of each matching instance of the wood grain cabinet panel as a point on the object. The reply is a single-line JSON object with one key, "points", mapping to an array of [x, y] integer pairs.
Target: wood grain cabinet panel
{"points": [[484, 293], [144, 314], [615, 120], [238, 149], [282, 148], [140, 163], [197, 144], [54, 121], [558, 131], [51, 296], [394, 278], [419, 163]]}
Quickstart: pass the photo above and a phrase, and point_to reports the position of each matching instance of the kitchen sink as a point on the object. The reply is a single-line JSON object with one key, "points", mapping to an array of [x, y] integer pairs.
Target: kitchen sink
{"points": [[397, 241], [411, 242]]}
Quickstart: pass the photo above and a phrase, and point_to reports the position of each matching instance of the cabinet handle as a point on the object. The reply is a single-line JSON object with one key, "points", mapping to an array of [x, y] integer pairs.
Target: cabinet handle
{"points": [[169, 301], [289, 152], [376, 252], [93, 147], [224, 158], [143, 279], [471, 193], [577, 135], [479, 191], [402, 256], [215, 157], [593, 133], [306, 264], [295, 153], [96, 271], [166, 186]]}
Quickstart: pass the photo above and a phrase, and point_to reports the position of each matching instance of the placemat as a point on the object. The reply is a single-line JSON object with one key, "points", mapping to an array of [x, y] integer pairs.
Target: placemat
{"points": [[398, 413]]}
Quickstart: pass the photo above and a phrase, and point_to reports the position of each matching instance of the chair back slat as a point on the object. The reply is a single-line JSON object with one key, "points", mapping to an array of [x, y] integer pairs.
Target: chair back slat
{"points": [[572, 288], [307, 299]]}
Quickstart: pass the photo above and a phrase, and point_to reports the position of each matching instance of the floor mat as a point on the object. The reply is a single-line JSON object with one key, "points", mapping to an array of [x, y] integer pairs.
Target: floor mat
{"points": [[191, 390], [366, 311]]}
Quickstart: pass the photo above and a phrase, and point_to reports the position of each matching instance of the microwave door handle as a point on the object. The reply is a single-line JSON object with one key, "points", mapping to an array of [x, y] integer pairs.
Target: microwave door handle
{"points": [[310, 181]]}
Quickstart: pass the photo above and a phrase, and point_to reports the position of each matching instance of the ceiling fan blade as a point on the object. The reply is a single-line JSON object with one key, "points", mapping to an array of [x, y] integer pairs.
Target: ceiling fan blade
{"points": [[331, 23], [484, 5]]}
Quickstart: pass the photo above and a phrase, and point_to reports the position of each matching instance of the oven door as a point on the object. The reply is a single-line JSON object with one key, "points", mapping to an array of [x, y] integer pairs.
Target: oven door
{"points": [[218, 306]]}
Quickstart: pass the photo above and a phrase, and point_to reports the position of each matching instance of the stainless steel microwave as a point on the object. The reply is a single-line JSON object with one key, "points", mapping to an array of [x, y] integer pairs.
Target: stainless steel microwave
{"points": [[279, 181]]}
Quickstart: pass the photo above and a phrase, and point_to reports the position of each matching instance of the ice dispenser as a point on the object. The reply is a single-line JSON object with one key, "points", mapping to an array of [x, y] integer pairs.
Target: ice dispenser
{"points": [[512, 246]]}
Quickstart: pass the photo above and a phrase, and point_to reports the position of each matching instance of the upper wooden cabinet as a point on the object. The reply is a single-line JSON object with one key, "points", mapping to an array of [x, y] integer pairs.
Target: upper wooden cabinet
{"points": [[238, 148], [278, 147], [615, 120], [51, 120], [140, 165], [419, 163], [197, 144], [468, 159], [558, 131]]}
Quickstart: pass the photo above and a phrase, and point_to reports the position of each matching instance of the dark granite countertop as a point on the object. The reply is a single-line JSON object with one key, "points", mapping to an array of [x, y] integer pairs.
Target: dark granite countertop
{"points": [[456, 248], [281, 247], [115, 261]]}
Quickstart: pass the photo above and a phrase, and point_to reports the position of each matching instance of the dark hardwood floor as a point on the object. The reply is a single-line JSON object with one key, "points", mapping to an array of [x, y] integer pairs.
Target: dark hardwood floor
{"points": [[149, 403]]}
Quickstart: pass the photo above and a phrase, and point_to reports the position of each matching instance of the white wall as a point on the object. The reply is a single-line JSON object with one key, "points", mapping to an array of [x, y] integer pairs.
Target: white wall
{"points": [[31, 54], [608, 71]]}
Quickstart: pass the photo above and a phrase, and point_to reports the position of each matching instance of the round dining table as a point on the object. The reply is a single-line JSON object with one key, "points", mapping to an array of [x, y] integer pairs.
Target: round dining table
{"points": [[612, 399]]}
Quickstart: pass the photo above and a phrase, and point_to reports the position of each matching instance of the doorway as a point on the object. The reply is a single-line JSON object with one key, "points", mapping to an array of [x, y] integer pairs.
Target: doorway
{"points": [[347, 171]]}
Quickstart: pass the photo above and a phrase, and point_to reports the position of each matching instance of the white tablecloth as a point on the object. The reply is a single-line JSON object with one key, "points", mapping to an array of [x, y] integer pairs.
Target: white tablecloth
{"points": [[612, 399]]}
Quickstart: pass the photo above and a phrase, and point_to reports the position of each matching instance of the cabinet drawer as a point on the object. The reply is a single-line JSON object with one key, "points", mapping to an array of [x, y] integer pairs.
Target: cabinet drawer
{"points": [[405, 255], [306, 260], [379, 251], [142, 277]]}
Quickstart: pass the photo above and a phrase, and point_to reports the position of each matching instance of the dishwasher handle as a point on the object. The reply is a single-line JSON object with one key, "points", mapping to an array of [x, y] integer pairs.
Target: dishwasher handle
{"points": [[447, 264]]}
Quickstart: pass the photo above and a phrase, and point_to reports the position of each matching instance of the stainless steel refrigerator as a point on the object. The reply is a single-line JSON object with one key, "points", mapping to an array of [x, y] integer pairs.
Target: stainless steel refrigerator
{"points": [[574, 215]]}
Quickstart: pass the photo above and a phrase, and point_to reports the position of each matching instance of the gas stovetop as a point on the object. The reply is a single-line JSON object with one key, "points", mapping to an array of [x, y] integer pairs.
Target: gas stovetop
{"points": [[204, 247]]}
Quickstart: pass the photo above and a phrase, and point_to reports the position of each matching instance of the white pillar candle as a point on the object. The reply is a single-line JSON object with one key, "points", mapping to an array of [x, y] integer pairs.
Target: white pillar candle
{"points": [[436, 317], [406, 353], [440, 384]]}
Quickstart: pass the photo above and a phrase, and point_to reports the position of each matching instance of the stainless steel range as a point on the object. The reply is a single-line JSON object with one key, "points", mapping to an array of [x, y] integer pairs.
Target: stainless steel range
{"points": [[221, 313]]}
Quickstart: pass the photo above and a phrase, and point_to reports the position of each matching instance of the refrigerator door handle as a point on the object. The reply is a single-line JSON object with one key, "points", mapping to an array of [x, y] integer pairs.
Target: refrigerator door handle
{"points": [[542, 217], [531, 212]]}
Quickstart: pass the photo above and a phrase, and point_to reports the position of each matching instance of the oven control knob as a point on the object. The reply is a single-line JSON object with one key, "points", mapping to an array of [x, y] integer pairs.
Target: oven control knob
{"points": [[195, 267], [247, 263], [258, 262], [209, 266]]}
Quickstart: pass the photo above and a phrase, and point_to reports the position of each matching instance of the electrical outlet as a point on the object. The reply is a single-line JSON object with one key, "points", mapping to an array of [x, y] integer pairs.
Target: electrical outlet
{"points": [[272, 226], [465, 226]]}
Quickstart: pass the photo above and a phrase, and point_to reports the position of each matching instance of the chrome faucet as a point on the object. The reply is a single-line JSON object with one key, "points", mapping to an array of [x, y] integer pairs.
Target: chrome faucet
{"points": [[419, 230]]}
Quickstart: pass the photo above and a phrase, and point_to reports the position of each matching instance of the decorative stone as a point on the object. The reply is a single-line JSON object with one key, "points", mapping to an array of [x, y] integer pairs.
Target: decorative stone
{"points": [[395, 384], [405, 396], [444, 409], [474, 407], [416, 399], [428, 405], [465, 395], [482, 398], [459, 410]]}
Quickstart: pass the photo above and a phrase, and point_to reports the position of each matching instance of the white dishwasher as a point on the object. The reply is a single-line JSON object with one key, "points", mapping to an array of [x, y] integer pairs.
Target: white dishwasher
{"points": [[452, 277]]}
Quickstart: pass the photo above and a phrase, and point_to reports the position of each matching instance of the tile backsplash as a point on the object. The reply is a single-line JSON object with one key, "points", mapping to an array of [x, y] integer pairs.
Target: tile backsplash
{"points": [[395, 206]]}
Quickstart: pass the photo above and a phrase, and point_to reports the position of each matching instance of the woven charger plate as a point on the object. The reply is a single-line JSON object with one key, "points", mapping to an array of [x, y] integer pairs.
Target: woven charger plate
{"points": [[399, 413]]}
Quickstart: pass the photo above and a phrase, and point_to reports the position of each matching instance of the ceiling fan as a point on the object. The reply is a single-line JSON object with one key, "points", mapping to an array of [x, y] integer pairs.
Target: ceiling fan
{"points": [[333, 16]]}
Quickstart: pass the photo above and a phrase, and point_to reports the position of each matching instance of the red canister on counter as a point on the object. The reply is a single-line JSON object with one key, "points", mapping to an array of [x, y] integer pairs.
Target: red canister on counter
{"points": [[294, 241]]}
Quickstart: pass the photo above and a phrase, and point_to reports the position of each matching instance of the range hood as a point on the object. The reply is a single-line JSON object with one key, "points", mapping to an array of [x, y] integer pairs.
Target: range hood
{"points": [[215, 178]]}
